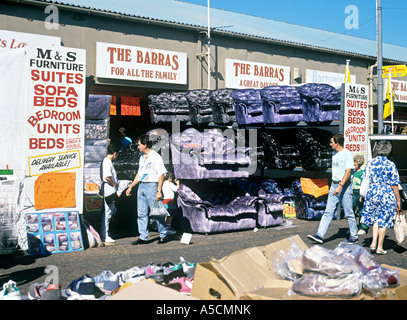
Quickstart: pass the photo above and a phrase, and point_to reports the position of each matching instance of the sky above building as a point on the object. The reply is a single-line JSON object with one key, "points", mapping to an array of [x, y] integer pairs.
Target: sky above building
{"points": [[353, 17]]}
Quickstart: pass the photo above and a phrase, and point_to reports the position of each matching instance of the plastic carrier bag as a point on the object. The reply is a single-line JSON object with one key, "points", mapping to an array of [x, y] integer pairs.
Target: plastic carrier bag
{"points": [[400, 227], [158, 210]]}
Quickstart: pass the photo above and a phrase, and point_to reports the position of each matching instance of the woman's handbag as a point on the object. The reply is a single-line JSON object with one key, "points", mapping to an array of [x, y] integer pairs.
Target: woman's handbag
{"points": [[400, 226], [158, 210], [364, 186]]}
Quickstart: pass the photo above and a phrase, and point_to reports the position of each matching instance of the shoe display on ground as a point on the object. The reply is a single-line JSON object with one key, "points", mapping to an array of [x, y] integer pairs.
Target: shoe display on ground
{"points": [[183, 285], [155, 272], [131, 275], [41, 291], [82, 288], [10, 291], [107, 281]]}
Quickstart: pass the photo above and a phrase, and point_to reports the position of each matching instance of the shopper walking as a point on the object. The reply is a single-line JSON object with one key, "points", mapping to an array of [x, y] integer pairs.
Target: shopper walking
{"points": [[109, 187], [150, 178], [125, 140], [383, 196], [340, 191], [170, 187], [357, 200]]}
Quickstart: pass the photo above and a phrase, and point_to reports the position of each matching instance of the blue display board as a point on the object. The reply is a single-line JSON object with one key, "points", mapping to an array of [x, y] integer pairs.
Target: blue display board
{"points": [[53, 232]]}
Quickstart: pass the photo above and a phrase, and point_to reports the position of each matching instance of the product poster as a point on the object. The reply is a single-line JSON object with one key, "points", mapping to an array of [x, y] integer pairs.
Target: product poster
{"points": [[53, 232], [355, 118], [55, 127]]}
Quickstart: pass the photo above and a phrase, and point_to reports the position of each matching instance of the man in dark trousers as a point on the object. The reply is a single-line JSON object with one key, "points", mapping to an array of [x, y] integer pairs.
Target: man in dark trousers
{"points": [[109, 189]]}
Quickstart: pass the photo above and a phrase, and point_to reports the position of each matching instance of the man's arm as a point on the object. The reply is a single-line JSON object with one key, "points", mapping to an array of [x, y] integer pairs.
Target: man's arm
{"points": [[110, 182], [159, 193], [345, 178], [133, 184]]}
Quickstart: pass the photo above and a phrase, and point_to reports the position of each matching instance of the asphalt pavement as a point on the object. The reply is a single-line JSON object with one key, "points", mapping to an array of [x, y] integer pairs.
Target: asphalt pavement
{"points": [[26, 270]]}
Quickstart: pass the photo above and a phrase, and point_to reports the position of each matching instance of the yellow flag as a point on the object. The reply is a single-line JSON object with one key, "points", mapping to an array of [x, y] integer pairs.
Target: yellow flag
{"points": [[388, 103], [347, 72]]}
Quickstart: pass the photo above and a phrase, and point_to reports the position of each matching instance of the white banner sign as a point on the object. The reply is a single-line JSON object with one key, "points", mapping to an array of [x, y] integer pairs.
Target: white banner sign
{"points": [[116, 61], [332, 78], [355, 117], [55, 125], [15, 40], [399, 88], [247, 74]]}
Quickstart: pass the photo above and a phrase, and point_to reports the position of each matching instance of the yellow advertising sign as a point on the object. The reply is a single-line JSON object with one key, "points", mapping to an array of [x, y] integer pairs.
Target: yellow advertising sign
{"points": [[396, 71]]}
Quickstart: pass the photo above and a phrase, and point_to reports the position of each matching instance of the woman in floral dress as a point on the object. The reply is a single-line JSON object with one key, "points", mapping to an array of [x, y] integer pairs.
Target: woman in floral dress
{"points": [[383, 197]]}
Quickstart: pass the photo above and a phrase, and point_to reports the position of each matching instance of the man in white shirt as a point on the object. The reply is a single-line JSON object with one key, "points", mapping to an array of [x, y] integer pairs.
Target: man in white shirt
{"points": [[109, 189], [340, 191], [150, 177]]}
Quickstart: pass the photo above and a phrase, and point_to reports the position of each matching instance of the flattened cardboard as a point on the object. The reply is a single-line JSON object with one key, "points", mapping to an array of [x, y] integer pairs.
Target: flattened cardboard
{"points": [[147, 290], [241, 272]]}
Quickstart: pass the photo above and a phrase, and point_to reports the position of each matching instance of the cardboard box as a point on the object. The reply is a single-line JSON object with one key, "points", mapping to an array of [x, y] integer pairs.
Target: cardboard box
{"points": [[249, 275], [147, 290], [243, 271]]}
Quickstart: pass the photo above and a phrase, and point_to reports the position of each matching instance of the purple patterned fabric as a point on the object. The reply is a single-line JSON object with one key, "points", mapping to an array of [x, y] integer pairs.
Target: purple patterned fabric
{"points": [[168, 107], [248, 106], [200, 107], [320, 102], [205, 155], [281, 104], [308, 207], [213, 206], [222, 106]]}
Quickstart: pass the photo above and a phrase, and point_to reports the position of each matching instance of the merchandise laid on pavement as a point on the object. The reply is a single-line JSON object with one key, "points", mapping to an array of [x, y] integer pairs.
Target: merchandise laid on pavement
{"points": [[258, 264]]}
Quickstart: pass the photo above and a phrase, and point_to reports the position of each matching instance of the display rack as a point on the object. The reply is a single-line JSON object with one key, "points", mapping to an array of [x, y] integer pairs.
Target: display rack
{"points": [[10, 214]]}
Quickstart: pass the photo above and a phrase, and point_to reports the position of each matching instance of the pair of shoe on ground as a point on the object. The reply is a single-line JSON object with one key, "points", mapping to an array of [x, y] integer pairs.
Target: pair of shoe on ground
{"points": [[160, 241], [318, 239]]}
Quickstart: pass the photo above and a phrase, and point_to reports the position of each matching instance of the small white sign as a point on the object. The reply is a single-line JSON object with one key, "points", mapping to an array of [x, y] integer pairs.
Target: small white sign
{"points": [[186, 238], [334, 79], [399, 89], [248, 74]]}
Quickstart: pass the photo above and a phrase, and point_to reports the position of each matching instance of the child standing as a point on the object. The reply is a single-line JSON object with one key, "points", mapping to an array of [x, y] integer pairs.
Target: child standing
{"points": [[169, 189], [357, 201]]}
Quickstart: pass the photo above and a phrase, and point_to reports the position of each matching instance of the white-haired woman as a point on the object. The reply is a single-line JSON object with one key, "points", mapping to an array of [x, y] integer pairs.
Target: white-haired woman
{"points": [[383, 196]]}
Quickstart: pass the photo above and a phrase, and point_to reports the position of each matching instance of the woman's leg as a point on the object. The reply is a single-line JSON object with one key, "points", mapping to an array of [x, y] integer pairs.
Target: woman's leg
{"points": [[382, 233], [375, 235]]}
